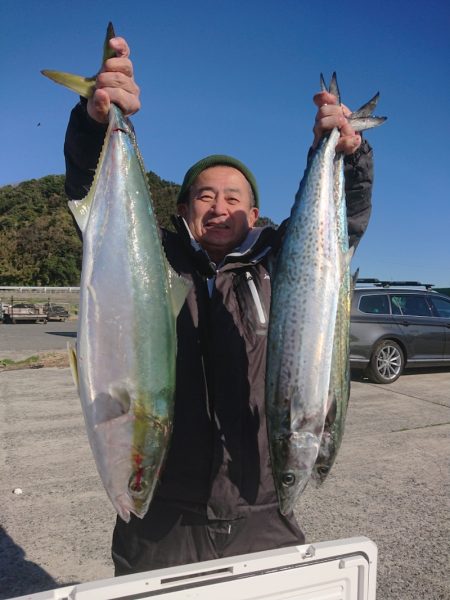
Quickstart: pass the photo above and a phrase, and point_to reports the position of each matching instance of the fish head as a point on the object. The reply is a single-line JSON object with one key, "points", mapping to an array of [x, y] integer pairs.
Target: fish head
{"points": [[325, 458], [295, 455]]}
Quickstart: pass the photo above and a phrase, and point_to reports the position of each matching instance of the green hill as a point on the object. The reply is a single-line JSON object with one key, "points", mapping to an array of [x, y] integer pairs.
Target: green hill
{"points": [[39, 244]]}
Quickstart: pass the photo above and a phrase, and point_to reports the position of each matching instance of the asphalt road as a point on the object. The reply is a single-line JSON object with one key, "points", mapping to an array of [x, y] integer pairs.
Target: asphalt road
{"points": [[389, 483], [24, 339]]}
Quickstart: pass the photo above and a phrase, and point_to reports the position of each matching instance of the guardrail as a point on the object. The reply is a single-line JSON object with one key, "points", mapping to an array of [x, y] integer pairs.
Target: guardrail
{"points": [[37, 289]]}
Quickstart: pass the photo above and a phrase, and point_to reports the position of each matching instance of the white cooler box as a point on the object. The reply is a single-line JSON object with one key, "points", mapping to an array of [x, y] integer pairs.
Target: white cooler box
{"points": [[337, 570]]}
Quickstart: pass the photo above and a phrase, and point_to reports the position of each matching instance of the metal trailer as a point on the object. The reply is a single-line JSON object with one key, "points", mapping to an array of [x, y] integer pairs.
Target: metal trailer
{"points": [[336, 570], [23, 312]]}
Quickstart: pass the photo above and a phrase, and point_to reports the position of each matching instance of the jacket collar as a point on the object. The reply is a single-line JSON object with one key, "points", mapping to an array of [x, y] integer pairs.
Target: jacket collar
{"points": [[252, 249]]}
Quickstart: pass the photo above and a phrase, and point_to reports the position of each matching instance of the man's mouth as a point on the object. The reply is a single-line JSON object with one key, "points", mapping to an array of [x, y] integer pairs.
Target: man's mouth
{"points": [[212, 225]]}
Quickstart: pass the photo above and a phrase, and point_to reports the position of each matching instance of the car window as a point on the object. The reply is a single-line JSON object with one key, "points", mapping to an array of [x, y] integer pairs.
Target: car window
{"points": [[410, 304], [377, 304], [398, 304], [441, 306]]}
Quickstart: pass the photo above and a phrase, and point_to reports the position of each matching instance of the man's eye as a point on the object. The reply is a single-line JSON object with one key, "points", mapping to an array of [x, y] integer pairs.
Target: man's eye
{"points": [[233, 200], [206, 197]]}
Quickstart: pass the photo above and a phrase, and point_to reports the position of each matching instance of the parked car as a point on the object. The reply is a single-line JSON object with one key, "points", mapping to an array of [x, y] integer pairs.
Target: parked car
{"points": [[398, 325], [56, 312], [3, 309]]}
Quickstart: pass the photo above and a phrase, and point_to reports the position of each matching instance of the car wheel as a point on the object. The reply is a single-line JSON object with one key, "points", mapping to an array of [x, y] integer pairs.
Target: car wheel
{"points": [[387, 362]]}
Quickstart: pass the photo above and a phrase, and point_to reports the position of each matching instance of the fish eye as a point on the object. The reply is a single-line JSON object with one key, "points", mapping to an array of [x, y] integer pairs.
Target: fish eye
{"points": [[137, 486], [288, 479]]}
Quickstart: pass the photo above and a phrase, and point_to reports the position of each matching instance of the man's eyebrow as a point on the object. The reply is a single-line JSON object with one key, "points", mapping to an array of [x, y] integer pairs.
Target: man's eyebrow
{"points": [[204, 188], [210, 188]]}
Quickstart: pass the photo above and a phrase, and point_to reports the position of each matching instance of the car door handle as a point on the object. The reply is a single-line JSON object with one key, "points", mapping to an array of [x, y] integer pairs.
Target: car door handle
{"points": [[406, 323]]}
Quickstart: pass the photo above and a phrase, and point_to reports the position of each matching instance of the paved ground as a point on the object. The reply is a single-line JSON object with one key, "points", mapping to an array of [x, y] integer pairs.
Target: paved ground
{"points": [[389, 482], [25, 339]]}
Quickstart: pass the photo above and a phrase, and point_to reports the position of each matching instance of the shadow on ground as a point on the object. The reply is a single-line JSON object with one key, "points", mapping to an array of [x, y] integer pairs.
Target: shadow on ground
{"points": [[72, 334], [360, 375], [19, 576]]}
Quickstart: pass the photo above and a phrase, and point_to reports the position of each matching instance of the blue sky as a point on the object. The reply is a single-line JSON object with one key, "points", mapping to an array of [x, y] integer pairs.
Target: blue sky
{"points": [[237, 77]]}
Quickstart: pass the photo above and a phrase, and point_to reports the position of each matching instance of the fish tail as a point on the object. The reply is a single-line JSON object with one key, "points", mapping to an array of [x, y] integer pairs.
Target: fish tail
{"points": [[333, 88], [361, 124], [367, 109], [362, 118], [108, 52], [84, 86]]}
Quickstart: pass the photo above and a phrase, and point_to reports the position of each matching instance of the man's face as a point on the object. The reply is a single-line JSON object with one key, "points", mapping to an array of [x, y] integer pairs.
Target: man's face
{"points": [[219, 212]]}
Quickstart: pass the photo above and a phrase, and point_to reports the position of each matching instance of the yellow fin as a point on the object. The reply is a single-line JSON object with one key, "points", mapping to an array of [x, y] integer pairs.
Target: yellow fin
{"points": [[73, 363], [81, 209], [179, 289], [84, 86], [108, 52]]}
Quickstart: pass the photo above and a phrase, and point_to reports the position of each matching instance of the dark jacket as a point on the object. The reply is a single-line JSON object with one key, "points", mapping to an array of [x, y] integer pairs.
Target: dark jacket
{"points": [[219, 456]]}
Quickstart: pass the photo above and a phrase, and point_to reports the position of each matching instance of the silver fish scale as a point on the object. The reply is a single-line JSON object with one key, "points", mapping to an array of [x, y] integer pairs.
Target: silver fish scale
{"points": [[303, 313], [339, 391]]}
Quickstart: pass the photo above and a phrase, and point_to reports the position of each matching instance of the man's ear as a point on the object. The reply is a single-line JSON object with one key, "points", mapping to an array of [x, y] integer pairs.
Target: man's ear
{"points": [[182, 209], [253, 216]]}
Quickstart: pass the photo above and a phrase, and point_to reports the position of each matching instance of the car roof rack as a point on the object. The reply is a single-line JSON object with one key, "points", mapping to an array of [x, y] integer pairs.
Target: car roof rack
{"points": [[386, 284]]}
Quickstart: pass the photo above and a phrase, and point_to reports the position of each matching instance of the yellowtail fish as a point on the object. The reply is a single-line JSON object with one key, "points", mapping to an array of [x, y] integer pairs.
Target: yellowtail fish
{"points": [[129, 299]]}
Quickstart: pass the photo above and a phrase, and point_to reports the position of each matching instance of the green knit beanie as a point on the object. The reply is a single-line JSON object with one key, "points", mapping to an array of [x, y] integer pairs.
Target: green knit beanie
{"points": [[215, 160]]}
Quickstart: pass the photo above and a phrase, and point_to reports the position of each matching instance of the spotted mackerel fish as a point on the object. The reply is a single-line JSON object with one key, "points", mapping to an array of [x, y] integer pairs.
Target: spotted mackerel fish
{"points": [[307, 376], [125, 356]]}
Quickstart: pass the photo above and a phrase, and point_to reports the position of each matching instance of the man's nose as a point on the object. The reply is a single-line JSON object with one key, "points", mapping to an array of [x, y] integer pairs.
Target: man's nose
{"points": [[220, 205]]}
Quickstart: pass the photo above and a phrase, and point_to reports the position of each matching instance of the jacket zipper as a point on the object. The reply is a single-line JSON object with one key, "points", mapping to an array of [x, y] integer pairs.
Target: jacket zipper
{"points": [[256, 298]]}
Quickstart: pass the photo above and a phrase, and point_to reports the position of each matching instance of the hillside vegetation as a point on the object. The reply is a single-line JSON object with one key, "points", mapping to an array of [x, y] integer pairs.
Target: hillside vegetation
{"points": [[39, 243]]}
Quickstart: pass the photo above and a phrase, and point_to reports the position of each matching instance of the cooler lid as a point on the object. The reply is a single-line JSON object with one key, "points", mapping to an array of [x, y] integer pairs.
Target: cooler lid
{"points": [[337, 570]]}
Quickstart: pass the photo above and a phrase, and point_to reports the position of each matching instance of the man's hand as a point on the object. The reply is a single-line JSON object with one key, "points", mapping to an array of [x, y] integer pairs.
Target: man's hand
{"points": [[115, 83], [330, 115]]}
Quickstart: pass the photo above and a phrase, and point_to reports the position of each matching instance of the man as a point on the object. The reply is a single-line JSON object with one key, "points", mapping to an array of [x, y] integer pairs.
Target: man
{"points": [[216, 496]]}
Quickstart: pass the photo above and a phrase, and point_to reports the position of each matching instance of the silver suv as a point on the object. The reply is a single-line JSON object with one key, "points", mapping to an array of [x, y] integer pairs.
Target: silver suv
{"points": [[396, 325]]}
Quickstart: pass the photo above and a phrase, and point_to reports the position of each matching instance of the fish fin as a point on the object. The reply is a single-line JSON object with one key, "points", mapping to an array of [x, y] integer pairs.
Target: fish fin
{"points": [[113, 403], [271, 265], [73, 362], [84, 86], [80, 210], [363, 123], [334, 88], [363, 119], [108, 52], [366, 109], [179, 289], [348, 257]]}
